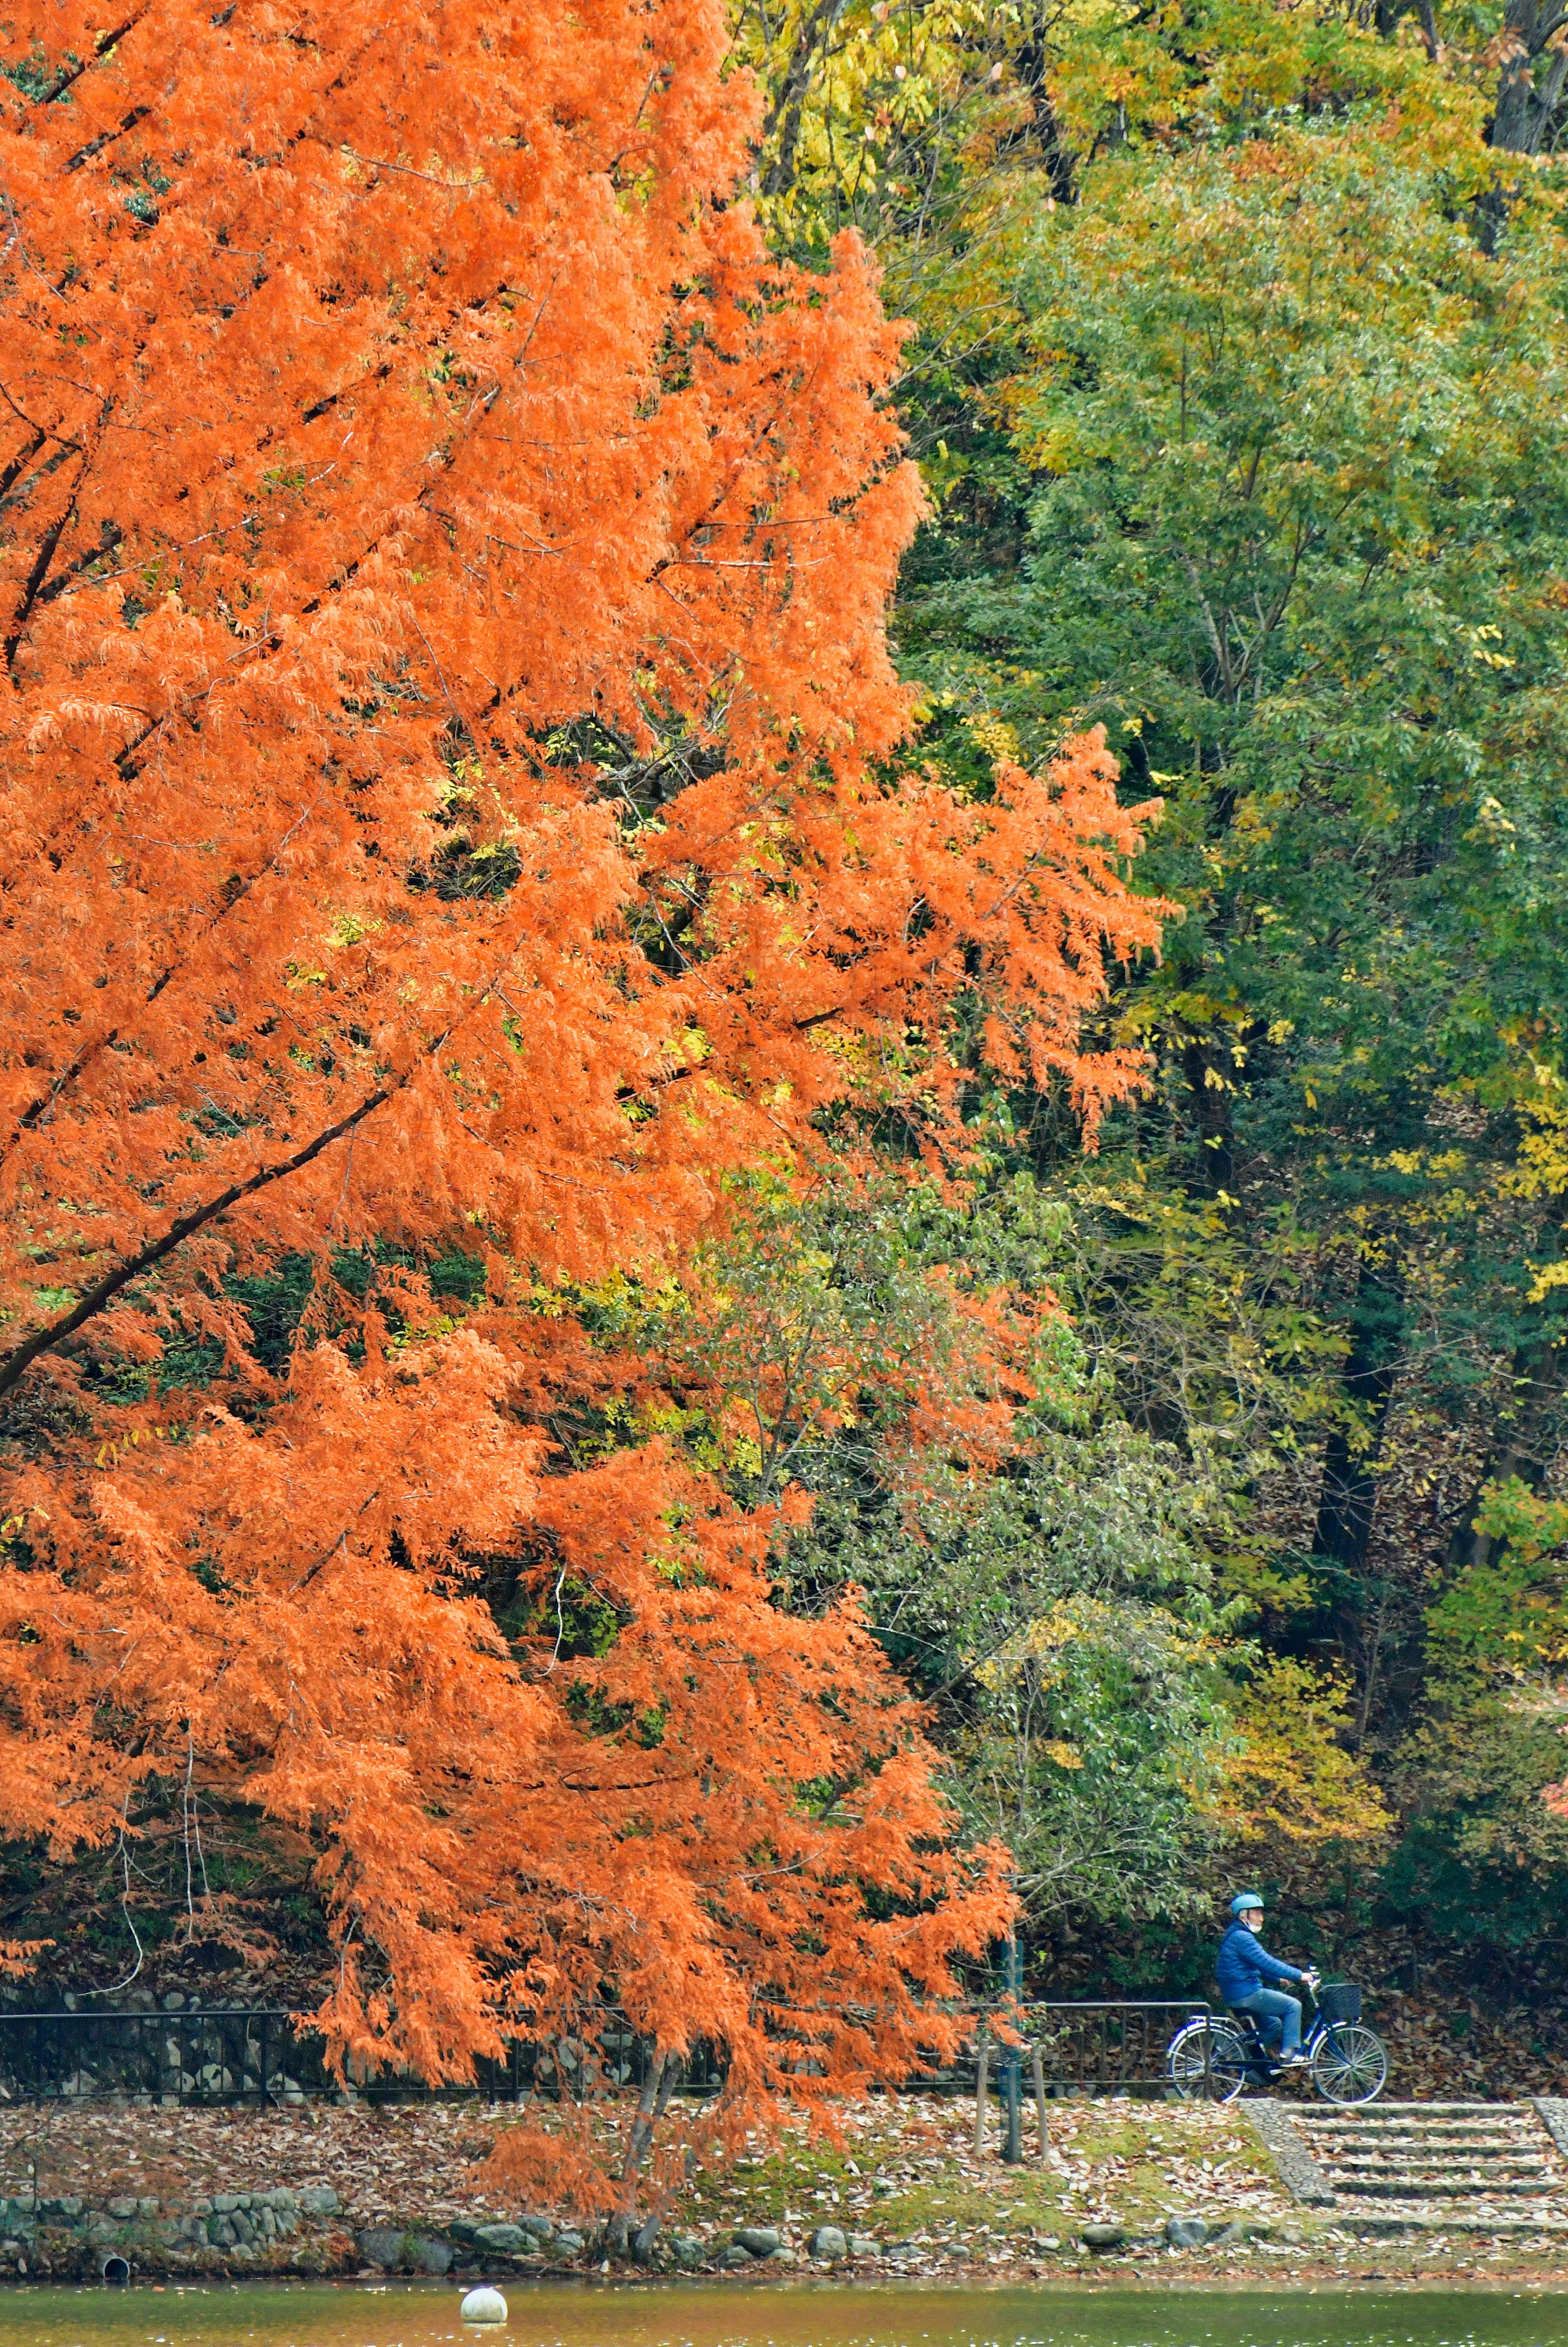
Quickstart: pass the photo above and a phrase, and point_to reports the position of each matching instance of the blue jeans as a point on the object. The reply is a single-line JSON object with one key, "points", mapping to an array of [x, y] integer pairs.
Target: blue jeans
{"points": [[1278, 2017]]}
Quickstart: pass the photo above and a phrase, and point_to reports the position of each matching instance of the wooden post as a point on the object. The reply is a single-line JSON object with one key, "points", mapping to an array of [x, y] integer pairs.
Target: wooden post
{"points": [[981, 2065], [1036, 2070]]}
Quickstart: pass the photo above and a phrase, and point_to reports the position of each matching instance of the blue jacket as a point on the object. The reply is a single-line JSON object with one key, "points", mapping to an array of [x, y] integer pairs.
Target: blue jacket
{"points": [[1244, 1964]]}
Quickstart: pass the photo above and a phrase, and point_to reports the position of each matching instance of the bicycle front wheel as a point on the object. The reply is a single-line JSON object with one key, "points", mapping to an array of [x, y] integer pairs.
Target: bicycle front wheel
{"points": [[1349, 2064], [1206, 2062]]}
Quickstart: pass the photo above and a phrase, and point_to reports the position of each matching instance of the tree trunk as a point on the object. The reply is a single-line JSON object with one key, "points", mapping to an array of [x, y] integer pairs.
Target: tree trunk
{"points": [[1210, 1088], [1528, 91], [1532, 66], [652, 2103], [1349, 1493], [1525, 1434], [1031, 63], [784, 117]]}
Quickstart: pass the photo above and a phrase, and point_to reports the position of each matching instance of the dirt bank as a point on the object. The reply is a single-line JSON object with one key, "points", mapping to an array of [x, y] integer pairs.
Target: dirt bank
{"points": [[340, 2190]]}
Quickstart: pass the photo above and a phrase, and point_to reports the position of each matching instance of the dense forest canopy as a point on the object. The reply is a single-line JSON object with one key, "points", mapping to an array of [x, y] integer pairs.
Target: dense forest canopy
{"points": [[1237, 393], [704, 992]]}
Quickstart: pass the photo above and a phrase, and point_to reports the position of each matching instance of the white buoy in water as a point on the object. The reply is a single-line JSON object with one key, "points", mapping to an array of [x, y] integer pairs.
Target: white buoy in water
{"points": [[483, 2306]]}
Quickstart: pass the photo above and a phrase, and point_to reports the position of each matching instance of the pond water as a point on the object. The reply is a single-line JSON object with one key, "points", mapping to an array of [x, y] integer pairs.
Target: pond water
{"points": [[823, 2315]]}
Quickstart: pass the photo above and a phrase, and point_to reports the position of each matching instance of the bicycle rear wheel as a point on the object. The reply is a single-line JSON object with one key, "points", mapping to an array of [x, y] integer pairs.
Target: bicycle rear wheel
{"points": [[1206, 2062], [1349, 2064]]}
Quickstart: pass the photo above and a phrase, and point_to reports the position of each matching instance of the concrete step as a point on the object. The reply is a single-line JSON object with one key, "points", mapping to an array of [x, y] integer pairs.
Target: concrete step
{"points": [[1521, 2162], [1361, 2147], [1469, 2187], [1402, 2132], [1367, 2122], [1369, 2225], [1386, 2168], [1448, 2180], [1518, 2159], [1536, 2145], [1440, 2111]]}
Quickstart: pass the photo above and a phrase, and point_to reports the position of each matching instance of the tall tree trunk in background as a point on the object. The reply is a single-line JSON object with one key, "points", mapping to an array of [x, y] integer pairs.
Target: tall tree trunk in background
{"points": [[1391, 14], [1528, 92], [1210, 1073], [782, 119], [1527, 1434], [1031, 63], [1532, 58], [1366, 1612], [1348, 1496]]}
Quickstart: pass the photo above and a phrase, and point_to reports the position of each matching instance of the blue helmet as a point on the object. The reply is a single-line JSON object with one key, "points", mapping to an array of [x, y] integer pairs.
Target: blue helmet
{"points": [[1244, 1899]]}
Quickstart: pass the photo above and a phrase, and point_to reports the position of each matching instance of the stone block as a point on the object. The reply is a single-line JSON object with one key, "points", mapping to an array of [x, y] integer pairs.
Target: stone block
{"points": [[501, 2240], [380, 2246]]}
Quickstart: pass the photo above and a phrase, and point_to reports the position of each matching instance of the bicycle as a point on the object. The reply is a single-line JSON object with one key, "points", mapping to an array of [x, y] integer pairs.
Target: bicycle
{"points": [[1214, 2056]]}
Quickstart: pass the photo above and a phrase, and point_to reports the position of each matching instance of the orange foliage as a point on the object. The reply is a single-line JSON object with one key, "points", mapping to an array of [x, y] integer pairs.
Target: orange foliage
{"points": [[445, 756]]}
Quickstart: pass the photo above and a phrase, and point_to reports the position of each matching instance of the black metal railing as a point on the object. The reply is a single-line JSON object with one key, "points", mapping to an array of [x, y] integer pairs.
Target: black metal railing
{"points": [[1108, 2047], [261, 2054]]}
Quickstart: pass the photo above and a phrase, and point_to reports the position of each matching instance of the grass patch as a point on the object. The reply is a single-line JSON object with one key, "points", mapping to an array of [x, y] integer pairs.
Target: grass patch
{"points": [[908, 2169]]}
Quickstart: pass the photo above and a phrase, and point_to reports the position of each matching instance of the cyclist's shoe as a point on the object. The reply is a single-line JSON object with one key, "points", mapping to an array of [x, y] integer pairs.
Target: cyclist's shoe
{"points": [[1294, 2062]]}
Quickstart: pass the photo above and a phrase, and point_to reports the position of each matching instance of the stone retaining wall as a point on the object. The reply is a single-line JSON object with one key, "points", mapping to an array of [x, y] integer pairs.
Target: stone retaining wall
{"points": [[281, 2231]]}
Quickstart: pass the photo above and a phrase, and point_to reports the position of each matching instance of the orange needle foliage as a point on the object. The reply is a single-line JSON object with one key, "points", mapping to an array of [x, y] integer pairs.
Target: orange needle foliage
{"points": [[444, 755]]}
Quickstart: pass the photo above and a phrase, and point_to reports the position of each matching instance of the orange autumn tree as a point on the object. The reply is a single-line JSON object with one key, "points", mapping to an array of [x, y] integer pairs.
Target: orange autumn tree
{"points": [[446, 747]]}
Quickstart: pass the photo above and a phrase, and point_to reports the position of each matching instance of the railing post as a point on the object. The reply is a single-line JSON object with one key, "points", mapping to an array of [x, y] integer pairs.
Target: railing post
{"points": [[1012, 2151], [1037, 2071], [982, 2048]]}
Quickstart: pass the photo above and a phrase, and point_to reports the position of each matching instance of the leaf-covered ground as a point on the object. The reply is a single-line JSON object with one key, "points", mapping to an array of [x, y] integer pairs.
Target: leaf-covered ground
{"points": [[903, 2175], [907, 2169]]}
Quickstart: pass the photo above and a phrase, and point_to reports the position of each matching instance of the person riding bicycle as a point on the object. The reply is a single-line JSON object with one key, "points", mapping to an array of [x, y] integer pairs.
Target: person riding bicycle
{"points": [[1244, 1966]]}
